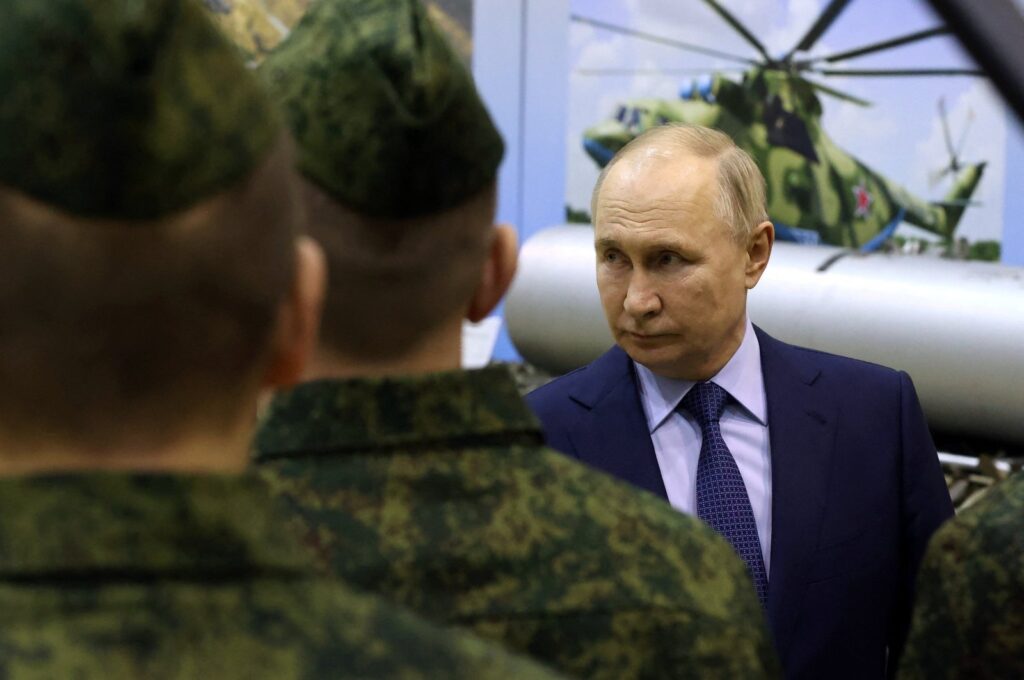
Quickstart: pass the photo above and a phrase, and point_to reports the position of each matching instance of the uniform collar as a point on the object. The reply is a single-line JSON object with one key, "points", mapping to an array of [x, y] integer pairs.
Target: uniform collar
{"points": [[360, 414], [741, 377], [131, 525]]}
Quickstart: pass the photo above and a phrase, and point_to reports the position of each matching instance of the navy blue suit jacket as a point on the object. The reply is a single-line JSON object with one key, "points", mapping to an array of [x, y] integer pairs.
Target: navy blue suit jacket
{"points": [[856, 493]]}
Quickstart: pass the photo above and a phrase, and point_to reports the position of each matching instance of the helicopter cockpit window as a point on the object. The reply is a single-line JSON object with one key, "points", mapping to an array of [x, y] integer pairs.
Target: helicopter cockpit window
{"points": [[634, 118], [630, 116], [787, 129]]}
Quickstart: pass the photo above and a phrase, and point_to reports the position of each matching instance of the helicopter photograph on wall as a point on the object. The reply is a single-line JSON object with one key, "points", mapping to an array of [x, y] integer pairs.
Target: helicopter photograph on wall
{"points": [[868, 122]]}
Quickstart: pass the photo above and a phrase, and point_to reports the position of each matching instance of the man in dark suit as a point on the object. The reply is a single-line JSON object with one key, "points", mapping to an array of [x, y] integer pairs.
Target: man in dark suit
{"points": [[818, 469]]}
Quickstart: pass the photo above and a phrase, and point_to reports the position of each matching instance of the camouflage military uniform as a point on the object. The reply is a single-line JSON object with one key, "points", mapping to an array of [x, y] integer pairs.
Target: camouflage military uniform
{"points": [[436, 492], [136, 576], [969, 616]]}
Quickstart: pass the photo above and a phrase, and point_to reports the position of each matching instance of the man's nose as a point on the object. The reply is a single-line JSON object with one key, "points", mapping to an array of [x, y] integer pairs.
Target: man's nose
{"points": [[642, 299]]}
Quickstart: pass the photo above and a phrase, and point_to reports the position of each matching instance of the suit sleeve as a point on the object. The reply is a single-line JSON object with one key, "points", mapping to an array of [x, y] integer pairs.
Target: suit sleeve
{"points": [[925, 506]]}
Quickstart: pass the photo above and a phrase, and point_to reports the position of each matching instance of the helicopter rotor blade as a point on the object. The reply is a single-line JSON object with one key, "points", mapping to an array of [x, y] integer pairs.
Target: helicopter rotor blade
{"points": [[879, 46], [650, 37], [739, 27], [945, 131], [963, 135], [822, 24], [896, 72], [651, 71], [825, 89]]}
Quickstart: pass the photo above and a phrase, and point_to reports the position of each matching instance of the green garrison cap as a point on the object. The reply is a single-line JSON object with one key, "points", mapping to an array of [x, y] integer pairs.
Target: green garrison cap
{"points": [[386, 115], [124, 109]]}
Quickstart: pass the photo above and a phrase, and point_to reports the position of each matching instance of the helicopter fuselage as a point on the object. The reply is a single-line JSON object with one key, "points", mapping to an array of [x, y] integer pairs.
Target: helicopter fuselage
{"points": [[816, 191]]}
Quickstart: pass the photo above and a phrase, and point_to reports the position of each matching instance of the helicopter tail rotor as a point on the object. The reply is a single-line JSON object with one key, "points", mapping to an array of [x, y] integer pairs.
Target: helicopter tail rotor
{"points": [[955, 164]]}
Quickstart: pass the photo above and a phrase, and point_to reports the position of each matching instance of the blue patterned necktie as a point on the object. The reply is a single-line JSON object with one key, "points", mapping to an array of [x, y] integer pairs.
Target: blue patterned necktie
{"points": [[722, 500]]}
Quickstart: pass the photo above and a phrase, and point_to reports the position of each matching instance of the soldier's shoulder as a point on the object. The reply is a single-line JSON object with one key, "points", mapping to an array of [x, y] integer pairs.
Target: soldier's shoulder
{"points": [[989, 529], [264, 628], [970, 601], [371, 638], [635, 522]]}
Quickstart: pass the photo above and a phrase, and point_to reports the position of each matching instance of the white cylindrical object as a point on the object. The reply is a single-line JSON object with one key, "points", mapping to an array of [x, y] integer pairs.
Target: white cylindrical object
{"points": [[956, 327], [553, 312]]}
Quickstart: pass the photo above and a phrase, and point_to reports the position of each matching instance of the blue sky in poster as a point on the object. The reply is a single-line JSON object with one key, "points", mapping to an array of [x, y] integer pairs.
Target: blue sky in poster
{"points": [[899, 136]]}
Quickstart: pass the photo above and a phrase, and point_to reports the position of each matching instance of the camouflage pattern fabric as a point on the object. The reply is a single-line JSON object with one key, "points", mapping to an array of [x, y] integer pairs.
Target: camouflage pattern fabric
{"points": [[969, 616], [386, 116], [124, 110], [817, 192], [257, 26], [435, 491], [139, 576]]}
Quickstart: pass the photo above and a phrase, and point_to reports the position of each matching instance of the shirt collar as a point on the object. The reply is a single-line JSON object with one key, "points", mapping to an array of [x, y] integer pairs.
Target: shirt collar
{"points": [[741, 377], [360, 414]]}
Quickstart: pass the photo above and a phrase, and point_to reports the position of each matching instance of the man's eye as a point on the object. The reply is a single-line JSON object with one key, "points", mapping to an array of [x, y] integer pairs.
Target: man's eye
{"points": [[612, 257], [669, 259]]}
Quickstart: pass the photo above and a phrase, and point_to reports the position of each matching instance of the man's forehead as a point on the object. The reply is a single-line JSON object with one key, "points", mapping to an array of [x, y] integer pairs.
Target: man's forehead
{"points": [[654, 173], [656, 187]]}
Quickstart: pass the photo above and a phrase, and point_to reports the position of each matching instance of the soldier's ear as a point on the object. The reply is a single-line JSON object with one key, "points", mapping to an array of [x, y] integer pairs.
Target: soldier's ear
{"points": [[498, 271], [759, 250], [298, 317]]}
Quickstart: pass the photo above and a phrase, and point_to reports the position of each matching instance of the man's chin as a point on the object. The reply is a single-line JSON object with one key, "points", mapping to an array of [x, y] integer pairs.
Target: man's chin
{"points": [[664, 360], [656, 357]]}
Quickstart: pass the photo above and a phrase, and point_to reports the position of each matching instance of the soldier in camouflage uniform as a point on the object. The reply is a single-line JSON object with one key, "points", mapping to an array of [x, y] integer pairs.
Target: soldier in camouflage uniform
{"points": [[428, 484], [969, 616], [139, 162]]}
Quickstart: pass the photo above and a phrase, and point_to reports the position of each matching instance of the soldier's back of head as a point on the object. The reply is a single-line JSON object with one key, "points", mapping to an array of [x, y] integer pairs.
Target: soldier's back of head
{"points": [[126, 180], [398, 158]]}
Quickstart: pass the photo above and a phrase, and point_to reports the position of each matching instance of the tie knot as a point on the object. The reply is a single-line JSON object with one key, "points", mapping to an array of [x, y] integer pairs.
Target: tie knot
{"points": [[705, 401]]}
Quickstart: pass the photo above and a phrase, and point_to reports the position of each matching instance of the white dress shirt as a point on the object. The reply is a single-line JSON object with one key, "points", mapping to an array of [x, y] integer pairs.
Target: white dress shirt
{"points": [[677, 436]]}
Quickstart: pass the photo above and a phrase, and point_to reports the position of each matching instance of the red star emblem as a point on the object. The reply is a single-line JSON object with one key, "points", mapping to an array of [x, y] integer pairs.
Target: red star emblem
{"points": [[863, 200]]}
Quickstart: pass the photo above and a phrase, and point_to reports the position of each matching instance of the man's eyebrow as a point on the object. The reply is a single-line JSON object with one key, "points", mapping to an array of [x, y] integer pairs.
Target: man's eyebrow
{"points": [[606, 243]]}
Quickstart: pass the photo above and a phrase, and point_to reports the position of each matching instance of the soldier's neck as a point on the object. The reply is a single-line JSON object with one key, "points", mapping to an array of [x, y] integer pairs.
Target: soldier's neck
{"points": [[201, 453], [442, 351]]}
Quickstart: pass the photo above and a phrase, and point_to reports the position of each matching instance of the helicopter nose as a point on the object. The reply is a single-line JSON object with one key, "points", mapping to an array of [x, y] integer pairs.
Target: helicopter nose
{"points": [[602, 141]]}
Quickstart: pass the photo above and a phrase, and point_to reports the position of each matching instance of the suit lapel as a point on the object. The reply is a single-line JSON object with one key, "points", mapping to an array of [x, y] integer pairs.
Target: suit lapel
{"points": [[801, 423], [613, 435]]}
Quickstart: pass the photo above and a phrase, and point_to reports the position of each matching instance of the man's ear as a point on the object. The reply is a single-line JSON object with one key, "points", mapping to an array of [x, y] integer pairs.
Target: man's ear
{"points": [[298, 316], [759, 250], [498, 271]]}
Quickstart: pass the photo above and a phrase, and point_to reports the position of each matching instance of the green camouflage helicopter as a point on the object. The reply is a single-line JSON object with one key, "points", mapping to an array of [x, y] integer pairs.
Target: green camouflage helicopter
{"points": [[817, 192]]}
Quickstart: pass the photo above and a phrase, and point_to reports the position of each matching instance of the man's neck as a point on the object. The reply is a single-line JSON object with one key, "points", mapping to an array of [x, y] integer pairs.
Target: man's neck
{"points": [[205, 453], [442, 351]]}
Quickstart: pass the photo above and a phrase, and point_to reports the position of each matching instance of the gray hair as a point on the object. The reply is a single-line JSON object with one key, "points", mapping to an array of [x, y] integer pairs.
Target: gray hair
{"points": [[741, 188]]}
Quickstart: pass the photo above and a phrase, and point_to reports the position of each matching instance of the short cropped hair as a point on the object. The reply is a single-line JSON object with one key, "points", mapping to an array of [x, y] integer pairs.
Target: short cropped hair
{"points": [[120, 332], [741, 187], [392, 282]]}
